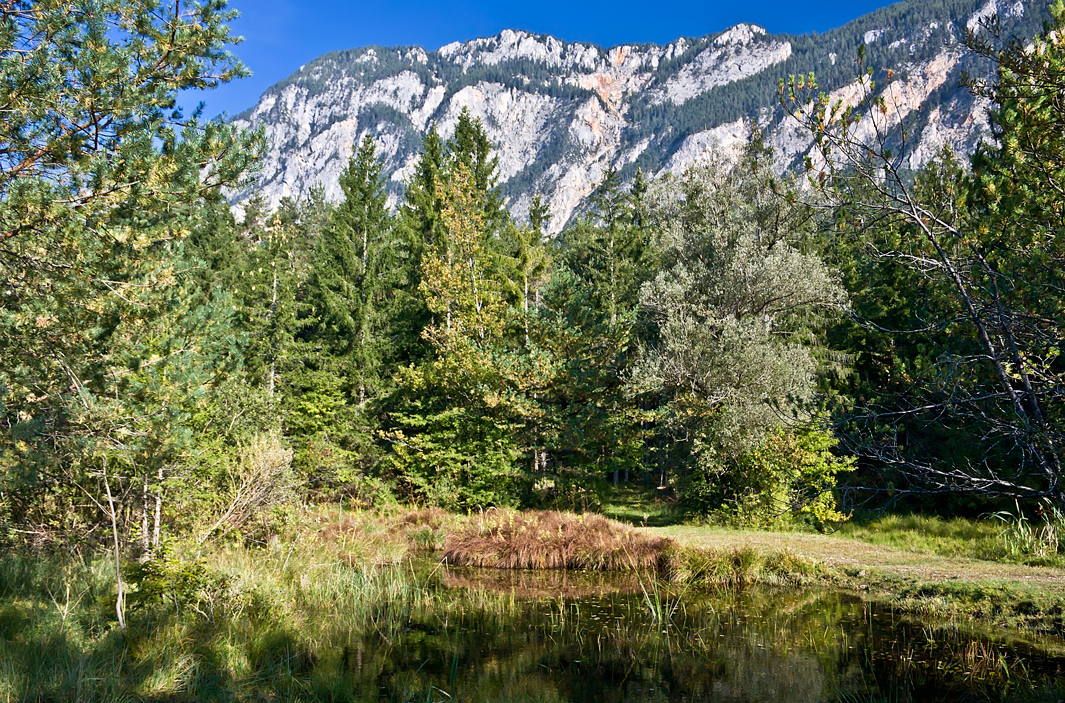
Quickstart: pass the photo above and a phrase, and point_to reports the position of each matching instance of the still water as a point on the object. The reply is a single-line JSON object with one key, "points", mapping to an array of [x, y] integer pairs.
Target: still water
{"points": [[516, 636]]}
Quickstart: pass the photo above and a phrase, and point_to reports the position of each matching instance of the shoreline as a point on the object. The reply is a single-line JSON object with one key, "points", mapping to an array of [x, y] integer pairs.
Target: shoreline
{"points": [[1026, 598]]}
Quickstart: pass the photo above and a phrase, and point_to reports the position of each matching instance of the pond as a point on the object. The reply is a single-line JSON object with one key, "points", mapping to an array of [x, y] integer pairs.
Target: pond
{"points": [[521, 636]]}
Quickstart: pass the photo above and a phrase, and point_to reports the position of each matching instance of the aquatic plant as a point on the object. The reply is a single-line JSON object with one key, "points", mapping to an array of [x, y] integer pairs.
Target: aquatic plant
{"points": [[1023, 536]]}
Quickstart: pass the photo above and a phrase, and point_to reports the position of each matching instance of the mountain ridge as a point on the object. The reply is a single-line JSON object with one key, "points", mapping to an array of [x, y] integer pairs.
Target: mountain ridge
{"points": [[562, 113]]}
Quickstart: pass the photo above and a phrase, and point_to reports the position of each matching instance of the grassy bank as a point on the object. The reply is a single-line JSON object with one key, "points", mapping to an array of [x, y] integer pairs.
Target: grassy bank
{"points": [[928, 573]]}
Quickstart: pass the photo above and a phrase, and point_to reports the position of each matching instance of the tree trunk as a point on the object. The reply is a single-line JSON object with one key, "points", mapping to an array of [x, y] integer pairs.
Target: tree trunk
{"points": [[145, 545], [273, 352], [120, 600], [157, 527]]}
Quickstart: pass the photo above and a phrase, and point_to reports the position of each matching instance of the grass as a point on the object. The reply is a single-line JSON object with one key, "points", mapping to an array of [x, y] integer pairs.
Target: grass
{"points": [[505, 539], [227, 623], [636, 505], [983, 539], [275, 623], [743, 567], [943, 569], [300, 624]]}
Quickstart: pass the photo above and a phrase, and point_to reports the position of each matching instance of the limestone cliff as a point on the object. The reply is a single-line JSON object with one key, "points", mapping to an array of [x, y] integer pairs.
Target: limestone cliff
{"points": [[561, 114]]}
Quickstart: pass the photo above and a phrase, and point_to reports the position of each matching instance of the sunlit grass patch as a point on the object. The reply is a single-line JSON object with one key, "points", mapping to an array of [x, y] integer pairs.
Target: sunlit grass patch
{"points": [[552, 540], [741, 567], [981, 538], [636, 505]]}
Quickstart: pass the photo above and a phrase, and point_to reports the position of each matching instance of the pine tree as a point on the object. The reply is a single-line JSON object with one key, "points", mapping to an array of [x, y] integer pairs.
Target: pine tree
{"points": [[100, 180]]}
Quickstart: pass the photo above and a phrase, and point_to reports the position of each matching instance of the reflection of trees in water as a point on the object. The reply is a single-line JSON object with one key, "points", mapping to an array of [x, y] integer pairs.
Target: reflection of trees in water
{"points": [[491, 645], [558, 583]]}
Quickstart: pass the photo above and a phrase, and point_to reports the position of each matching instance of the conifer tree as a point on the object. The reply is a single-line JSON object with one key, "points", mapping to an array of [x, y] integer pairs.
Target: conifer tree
{"points": [[100, 180], [471, 149], [453, 433], [351, 273], [341, 339], [592, 298]]}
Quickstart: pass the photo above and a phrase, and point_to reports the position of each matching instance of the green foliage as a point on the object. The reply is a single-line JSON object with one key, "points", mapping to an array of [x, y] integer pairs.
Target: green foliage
{"points": [[959, 376], [116, 339], [458, 448], [683, 334], [586, 333], [785, 481], [737, 307], [174, 583], [341, 338]]}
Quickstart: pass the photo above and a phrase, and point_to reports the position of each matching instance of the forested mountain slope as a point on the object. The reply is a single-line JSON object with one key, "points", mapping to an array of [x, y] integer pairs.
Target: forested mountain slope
{"points": [[560, 114]]}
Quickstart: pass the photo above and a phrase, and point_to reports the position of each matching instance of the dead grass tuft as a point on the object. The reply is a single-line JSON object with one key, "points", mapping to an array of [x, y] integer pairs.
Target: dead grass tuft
{"points": [[433, 518], [548, 539]]}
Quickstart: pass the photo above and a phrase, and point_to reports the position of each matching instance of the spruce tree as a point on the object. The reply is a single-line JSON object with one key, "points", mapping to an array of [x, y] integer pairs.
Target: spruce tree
{"points": [[471, 148]]}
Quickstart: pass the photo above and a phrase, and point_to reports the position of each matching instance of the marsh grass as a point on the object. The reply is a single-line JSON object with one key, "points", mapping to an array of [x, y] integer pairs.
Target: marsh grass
{"points": [[316, 616], [1043, 537], [741, 568], [505, 539]]}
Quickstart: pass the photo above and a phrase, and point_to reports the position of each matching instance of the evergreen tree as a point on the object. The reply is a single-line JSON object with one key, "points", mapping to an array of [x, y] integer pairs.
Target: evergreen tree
{"points": [[342, 340], [100, 179], [471, 149], [419, 228], [351, 274], [453, 434], [608, 250], [592, 298]]}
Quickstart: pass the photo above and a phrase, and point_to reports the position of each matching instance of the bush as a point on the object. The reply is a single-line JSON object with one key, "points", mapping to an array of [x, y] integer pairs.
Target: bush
{"points": [[785, 481], [261, 479]]}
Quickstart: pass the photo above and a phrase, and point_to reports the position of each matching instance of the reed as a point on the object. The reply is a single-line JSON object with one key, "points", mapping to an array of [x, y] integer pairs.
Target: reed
{"points": [[506, 539]]}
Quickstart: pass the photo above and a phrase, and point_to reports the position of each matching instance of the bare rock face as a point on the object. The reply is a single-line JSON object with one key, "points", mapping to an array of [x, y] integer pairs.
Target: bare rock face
{"points": [[562, 114]]}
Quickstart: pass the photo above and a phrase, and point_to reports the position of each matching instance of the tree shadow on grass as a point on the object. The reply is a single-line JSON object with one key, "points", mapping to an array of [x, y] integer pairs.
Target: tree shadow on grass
{"points": [[639, 506]]}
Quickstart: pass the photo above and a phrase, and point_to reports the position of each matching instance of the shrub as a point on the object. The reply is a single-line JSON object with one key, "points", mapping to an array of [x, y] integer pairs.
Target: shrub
{"points": [[261, 479], [786, 480]]}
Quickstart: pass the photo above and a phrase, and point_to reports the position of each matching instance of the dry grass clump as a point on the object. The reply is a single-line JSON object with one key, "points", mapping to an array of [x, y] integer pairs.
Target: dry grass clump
{"points": [[371, 537], [548, 539], [432, 517]]}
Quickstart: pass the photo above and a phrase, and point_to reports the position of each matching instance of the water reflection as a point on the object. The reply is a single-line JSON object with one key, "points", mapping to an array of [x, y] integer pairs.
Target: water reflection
{"points": [[515, 636]]}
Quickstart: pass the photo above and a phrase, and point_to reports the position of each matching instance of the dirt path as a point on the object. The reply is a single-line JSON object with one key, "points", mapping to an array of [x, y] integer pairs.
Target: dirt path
{"points": [[843, 552]]}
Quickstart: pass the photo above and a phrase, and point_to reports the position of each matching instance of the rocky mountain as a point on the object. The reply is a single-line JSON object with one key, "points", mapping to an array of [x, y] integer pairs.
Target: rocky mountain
{"points": [[561, 114]]}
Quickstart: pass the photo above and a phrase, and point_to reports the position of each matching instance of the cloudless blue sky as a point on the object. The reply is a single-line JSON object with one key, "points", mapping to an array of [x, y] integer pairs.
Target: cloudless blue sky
{"points": [[282, 35]]}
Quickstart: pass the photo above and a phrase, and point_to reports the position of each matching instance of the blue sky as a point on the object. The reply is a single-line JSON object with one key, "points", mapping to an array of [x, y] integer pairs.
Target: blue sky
{"points": [[282, 35]]}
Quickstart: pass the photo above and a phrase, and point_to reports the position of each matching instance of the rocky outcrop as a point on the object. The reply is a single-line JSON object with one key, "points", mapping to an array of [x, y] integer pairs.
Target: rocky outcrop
{"points": [[561, 114]]}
